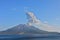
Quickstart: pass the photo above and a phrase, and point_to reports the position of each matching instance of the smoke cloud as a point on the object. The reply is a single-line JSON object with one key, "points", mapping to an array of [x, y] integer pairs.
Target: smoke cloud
{"points": [[32, 20]]}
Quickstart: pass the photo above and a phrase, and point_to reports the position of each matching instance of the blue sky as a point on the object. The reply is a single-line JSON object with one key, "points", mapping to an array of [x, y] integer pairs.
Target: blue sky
{"points": [[12, 12]]}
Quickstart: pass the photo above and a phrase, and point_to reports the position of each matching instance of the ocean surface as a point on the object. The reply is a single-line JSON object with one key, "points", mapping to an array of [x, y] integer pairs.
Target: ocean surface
{"points": [[30, 37]]}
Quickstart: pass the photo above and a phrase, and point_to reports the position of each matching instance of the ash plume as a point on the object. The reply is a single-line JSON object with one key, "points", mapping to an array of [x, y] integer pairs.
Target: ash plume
{"points": [[32, 20]]}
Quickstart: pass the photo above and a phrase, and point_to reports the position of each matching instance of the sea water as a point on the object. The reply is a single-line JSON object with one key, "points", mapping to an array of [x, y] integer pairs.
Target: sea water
{"points": [[29, 37]]}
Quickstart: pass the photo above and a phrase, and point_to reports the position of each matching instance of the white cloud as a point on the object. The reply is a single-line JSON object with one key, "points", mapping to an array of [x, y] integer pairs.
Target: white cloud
{"points": [[46, 22], [57, 19], [14, 9], [26, 9]]}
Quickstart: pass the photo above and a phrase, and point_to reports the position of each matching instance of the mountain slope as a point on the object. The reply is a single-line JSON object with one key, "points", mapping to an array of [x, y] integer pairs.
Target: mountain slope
{"points": [[22, 28]]}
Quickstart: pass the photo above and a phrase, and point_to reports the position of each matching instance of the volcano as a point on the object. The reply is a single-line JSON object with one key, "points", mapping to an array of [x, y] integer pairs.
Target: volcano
{"points": [[23, 29], [29, 27]]}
